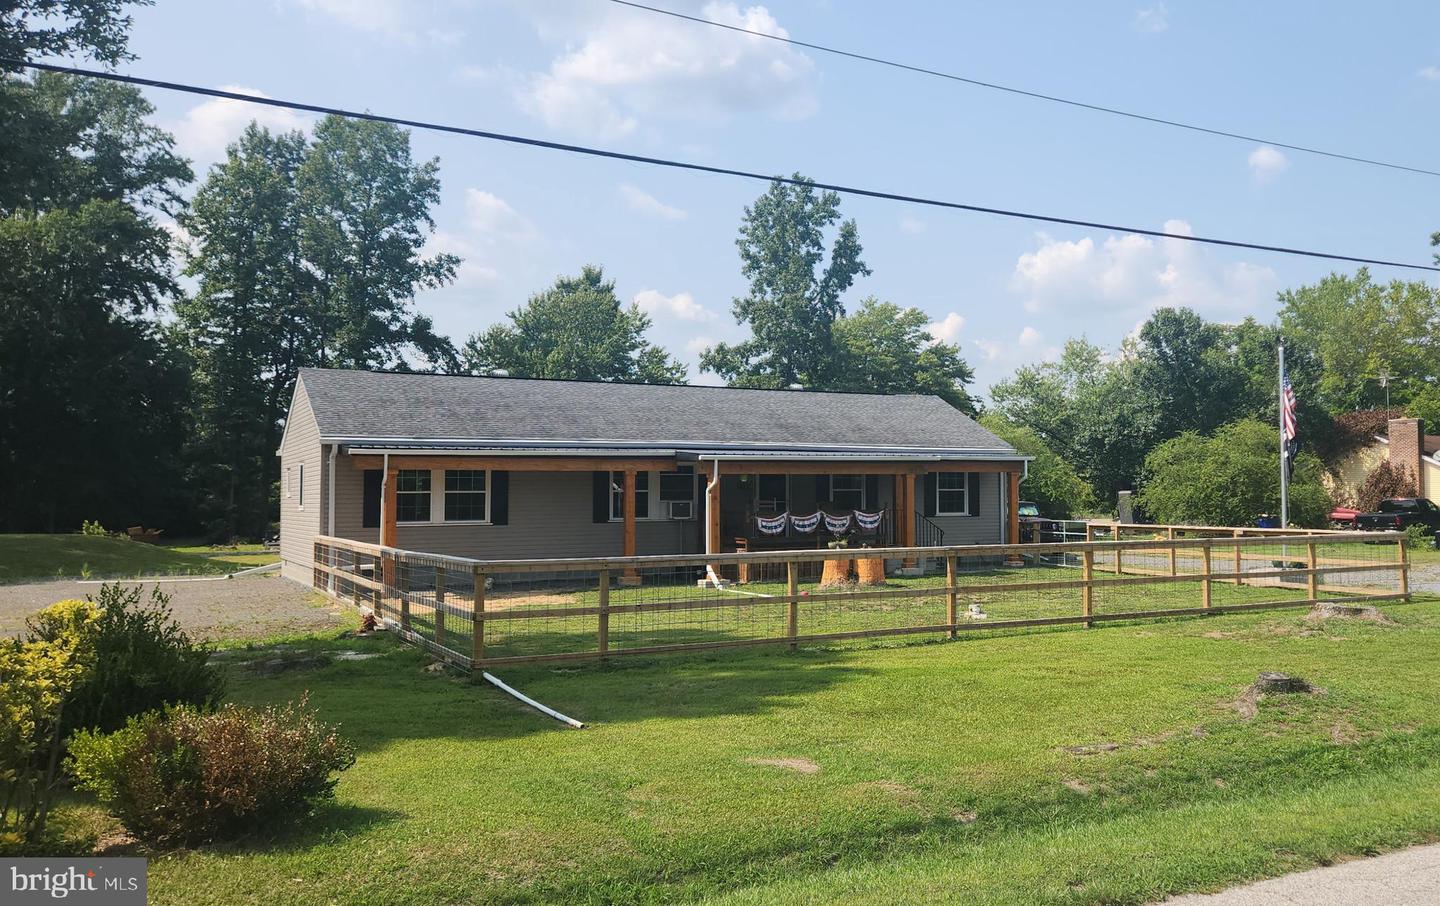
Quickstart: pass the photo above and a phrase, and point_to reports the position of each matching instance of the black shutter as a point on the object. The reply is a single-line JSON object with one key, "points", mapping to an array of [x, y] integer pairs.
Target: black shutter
{"points": [[600, 486], [370, 504], [932, 481], [499, 498], [872, 491], [972, 496]]}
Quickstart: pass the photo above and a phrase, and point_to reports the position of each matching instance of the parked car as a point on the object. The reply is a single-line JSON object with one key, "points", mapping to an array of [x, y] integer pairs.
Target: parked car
{"points": [[1034, 527], [1399, 513]]}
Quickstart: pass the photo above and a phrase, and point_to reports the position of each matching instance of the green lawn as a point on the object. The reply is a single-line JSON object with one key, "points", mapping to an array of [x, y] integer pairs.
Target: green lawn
{"points": [[38, 557], [898, 772], [232, 556]]}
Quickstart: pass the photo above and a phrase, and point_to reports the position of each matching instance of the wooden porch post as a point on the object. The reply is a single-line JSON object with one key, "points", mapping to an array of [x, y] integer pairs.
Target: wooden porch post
{"points": [[1013, 530], [389, 531], [906, 515], [629, 577]]}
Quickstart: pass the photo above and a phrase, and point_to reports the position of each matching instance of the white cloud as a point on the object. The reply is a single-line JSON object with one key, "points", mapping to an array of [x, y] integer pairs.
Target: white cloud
{"points": [[1134, 275], [947, 329], [681, 305], [643, 202], [471, 271], [493, 218], [207, 128], [989, 349], [1431, 73], [1029, 337], [630, 67], [1266, 163], [1152, 19], [391, 18], [912, 225]]}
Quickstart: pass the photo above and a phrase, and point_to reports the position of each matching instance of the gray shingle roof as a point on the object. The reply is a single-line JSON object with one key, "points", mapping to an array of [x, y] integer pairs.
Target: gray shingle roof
{"points": [[360, 406]]}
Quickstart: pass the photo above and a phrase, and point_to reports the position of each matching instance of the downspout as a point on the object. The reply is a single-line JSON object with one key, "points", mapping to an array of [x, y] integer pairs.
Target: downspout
{"points": [[384, 496]]}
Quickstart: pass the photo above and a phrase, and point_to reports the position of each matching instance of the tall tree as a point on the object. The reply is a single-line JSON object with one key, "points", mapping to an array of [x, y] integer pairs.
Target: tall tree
{"points": [[883, 348], [306, 253], [94, 28], [576, 329], [795, 293], [91, 398], [365, 216], [1362, 331], [1051, 483], [1185, 361]]}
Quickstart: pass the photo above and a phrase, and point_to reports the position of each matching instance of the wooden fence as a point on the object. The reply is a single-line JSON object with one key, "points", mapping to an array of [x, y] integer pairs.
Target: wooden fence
{"points": [[477, 613]]}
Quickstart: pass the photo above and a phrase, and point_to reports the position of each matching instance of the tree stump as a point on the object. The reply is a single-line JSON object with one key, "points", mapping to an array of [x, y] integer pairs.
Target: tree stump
{"points": [[1248, 704], [870, 570], [837, 572]]}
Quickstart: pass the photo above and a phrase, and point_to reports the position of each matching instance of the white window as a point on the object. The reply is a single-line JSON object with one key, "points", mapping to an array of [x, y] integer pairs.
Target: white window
{"points": [[302, 485], [617, 495], [847, 492], [412, 495], [952, 493], [467, 497]]}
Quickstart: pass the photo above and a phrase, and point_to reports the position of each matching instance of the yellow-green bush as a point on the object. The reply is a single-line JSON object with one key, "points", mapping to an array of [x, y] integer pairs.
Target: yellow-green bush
{"points": [[37, 677]]}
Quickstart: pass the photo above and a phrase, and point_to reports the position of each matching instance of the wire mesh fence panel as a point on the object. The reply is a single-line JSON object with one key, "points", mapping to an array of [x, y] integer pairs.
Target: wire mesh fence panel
{"points": [[474, 612]]}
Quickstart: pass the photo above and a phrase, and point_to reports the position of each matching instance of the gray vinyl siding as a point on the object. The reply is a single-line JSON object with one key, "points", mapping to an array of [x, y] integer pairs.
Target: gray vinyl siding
{"points": [[986, 528], [550, 516], [299, 526]]}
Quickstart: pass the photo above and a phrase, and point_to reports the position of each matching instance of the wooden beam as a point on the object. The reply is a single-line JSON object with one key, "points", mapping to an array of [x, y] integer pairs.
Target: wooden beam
{"points": [[516, 463], [630, 576], [712, 513], [389, 530]]}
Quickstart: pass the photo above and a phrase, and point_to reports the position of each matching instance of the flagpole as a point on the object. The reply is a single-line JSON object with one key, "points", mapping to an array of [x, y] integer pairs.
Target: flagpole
{"points": [[1284, 477]]}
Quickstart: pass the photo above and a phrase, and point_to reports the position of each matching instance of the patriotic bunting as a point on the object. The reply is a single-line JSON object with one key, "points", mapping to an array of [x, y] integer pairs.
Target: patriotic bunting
{"points": [[869, 521], [773, 525], [805, 524], [837, 524]]}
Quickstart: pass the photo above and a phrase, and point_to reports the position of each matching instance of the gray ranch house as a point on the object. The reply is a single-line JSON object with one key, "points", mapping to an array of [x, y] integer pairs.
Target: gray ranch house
{"points": [[512, 468]]}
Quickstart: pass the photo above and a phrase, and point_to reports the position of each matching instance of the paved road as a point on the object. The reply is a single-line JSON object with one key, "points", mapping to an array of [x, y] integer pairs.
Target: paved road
{"points": [[1410, 877], [247, 607]]}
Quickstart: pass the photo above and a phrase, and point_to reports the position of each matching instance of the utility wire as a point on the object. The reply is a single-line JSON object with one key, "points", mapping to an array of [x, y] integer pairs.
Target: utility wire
{"points": [[1036, 95], [687, 165]]}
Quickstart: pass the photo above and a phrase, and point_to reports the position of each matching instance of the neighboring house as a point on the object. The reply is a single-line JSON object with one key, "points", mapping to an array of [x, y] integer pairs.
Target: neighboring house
{"points": [[1404, 444], [511, 468]]}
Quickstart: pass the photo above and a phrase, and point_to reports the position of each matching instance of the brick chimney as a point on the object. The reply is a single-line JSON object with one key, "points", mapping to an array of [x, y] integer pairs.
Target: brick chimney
{"points": [[1407, 436]]}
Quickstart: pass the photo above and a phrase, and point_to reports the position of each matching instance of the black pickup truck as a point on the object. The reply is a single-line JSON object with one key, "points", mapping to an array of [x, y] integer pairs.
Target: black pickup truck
{"points": [[1399, 513]]}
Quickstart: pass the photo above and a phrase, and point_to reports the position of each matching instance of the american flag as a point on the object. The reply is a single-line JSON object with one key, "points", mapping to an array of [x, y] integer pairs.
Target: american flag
{"points": [[1287, 412]]}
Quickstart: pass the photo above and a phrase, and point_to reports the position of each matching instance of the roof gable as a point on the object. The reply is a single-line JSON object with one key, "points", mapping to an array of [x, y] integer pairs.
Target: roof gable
{"points": [[364, 406]]}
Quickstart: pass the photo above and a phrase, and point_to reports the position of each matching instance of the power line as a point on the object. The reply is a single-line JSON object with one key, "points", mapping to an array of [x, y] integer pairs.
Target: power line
{"points": [[1035, 95], [687, 165]]}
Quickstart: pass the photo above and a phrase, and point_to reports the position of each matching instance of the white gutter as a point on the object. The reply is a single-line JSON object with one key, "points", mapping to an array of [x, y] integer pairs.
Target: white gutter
{"points": [[384, 480], [710, 520], [330, 508]]}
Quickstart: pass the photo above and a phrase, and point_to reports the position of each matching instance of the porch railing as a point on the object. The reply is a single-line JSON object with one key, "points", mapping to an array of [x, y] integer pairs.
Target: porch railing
{"points": [[476, 613]]}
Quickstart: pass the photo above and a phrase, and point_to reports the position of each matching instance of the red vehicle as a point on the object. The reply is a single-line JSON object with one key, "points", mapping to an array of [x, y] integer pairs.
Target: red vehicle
{"points": [[1343, 517]]}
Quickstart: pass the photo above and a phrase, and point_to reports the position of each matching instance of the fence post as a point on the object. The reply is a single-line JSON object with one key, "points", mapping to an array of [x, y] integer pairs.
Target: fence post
{"points": [[1239, 567], [1312, 584], [477, 617], [402, 588], [1404, 559], [440, 606], [792, 592], [1205, 589], [1087, 591], [355, 579], [1170, 536], [1115, 536], [604, 617], [381, 579], [951, 615]]}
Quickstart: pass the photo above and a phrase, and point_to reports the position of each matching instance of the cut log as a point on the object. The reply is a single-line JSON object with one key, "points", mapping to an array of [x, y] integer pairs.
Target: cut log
{"points": [[870, 570], [837, 572]]}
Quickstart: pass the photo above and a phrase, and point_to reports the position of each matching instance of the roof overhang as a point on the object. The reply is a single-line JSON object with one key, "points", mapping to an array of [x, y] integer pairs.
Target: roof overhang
{"points": [[684, 452]]}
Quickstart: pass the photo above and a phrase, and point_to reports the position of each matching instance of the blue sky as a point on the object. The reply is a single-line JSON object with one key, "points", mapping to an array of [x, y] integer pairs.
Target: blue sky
{"points": [[1358, 78]]}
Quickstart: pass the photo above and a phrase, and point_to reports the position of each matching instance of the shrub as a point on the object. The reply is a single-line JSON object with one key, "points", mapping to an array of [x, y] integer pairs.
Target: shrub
{"points": [[1418, 537], [188, 776], [93, 527], [1229, 478], [143, 661], [37, 678], [1388, 480]]}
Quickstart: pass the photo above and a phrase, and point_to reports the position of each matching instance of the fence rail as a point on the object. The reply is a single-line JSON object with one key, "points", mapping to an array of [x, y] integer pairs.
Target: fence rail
{"points": [[475, 613]]}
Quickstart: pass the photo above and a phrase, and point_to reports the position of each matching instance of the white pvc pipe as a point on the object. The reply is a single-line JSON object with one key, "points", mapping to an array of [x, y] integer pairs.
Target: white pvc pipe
{"points": [[495, 681]]}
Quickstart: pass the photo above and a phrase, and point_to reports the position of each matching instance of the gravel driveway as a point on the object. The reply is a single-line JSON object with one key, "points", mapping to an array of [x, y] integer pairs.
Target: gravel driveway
{"points": [[245, 608], [1425, 578]]}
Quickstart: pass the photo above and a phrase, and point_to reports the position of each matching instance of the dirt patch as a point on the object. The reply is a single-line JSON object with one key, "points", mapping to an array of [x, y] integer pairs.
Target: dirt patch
{"points": [[1329, 610], [251, 607], [963, 817], [893, 787], [1270, 684], [1094, 748], [1078, 786], [798, 765]]}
